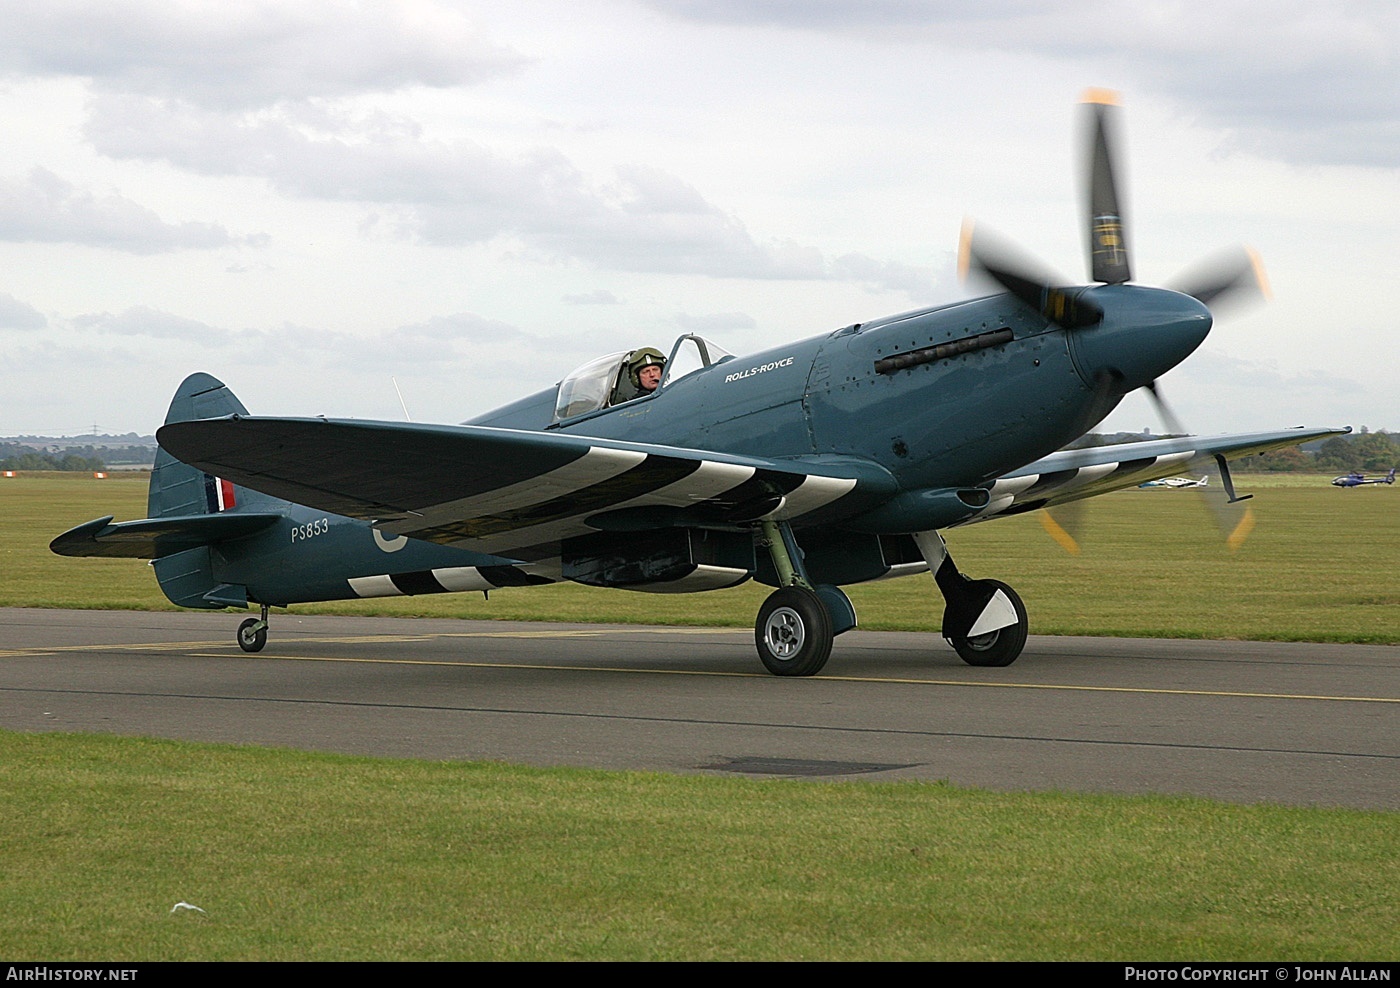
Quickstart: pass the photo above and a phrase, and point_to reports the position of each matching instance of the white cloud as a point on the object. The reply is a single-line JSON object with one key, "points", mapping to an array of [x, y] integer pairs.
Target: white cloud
{"points": [[447, 185], [1305, 81], [46, 208], [1214, 392], [440, 340], [460, 192], [599, 296], [15, 314], [715, 322], [153, 324], [248, 53]]}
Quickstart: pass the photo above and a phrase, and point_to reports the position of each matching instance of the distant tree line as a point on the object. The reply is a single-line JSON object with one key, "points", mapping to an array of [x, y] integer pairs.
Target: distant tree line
{"points": [[1092, 439], [14, 456], [1364, 450], [113, 455]]}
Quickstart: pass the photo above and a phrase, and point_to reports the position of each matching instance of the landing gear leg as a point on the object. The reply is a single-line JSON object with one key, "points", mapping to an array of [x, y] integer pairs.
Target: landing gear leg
{"points": [[794, 628], [984, 620], [252, 633]]}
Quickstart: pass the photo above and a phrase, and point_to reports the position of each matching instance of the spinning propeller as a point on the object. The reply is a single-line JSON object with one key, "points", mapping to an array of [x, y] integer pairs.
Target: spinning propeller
{"points": [[1121, 336]]}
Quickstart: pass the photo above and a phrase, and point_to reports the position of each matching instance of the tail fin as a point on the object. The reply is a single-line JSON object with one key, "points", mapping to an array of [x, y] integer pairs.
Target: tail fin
{"points": [[178, 489], [188, 513], [181, 491]]}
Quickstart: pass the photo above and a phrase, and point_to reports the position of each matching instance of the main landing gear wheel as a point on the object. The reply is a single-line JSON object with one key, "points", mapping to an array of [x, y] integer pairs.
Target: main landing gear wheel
{"points": [[793, 632], [1000, 647], [252, 635]]}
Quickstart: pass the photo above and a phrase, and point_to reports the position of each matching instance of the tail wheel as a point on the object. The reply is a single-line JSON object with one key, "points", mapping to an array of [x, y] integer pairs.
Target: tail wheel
{"points": [[252, 635], [1000, 647], [793, 632]]}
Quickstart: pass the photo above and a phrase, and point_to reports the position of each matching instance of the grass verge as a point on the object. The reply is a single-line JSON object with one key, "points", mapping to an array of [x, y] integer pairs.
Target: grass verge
{"points": [[320, 857]]}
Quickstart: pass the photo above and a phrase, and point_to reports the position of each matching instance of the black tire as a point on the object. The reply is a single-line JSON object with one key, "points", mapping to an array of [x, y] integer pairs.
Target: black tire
{"points": [[251, 638], [793, 633], [1000, 647]]}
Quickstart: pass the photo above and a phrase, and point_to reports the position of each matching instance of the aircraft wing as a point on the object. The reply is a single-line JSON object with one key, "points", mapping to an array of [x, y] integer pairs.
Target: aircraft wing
{"points": [[508, 492], [1071, 475]]}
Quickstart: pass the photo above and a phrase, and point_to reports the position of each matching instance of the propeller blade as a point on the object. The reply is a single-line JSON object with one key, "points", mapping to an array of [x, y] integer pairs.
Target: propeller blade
{"points": [[1017, 272], [1108, 242], [1065, 522], [1164, 412], [1227, 278], [1233, 516], [1231, 277], [1060, 522]]}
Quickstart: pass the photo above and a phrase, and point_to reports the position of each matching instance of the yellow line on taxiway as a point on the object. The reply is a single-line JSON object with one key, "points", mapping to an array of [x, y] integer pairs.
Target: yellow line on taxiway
{"points": [[19, 653], [188, 647], [880, 680]]}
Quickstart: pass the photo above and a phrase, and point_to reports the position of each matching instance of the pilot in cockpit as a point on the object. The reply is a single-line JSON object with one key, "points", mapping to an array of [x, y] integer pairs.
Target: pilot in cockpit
{"points": [[643, 374]]}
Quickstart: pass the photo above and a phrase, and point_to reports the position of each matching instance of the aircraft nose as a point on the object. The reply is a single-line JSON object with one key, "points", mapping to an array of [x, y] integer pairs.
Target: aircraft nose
{"points": [[1144, 333]]}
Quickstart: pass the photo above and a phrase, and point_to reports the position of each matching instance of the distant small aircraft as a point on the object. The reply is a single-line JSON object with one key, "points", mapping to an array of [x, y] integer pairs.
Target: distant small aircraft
{"points": [[1355, 479], [1178, 482]]}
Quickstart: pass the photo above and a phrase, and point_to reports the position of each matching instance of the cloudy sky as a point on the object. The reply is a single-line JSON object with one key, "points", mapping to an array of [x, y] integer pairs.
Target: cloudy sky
{"points": [[313, 201]]}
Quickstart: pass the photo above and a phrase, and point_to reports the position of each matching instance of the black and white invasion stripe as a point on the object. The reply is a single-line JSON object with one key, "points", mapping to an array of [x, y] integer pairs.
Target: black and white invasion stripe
{"points": [[453, 579], [529, 519], [1030, 491]]}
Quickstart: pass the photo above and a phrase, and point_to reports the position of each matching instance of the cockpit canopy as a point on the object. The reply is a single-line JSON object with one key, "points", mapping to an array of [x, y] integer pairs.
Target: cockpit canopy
{"points": [[599, 383]]}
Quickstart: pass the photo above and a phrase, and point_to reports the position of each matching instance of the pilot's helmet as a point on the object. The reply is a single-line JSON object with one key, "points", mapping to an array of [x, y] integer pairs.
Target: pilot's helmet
{"points": [[645, 357]]}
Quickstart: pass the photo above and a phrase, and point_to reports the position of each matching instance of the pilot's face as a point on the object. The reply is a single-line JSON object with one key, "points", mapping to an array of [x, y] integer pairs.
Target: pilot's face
{"points": [[649, 377]]}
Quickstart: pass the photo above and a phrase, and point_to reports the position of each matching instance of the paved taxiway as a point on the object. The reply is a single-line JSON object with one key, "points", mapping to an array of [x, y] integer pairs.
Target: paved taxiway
{"points": [[1242, 721]]}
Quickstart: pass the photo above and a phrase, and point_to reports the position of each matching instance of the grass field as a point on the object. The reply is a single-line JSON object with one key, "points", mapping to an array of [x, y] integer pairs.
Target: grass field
{"points": [[299, 856], [1318, 567], [318, 857]]}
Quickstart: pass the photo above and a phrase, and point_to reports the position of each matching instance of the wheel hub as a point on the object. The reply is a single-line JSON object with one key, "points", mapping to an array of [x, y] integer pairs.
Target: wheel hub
{"points": [[983, 642], [784, 633]]}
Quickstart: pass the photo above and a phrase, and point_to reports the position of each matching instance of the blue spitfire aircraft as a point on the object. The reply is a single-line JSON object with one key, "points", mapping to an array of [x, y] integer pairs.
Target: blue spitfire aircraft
{"points": [[1355, 479], [810, 466]]}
